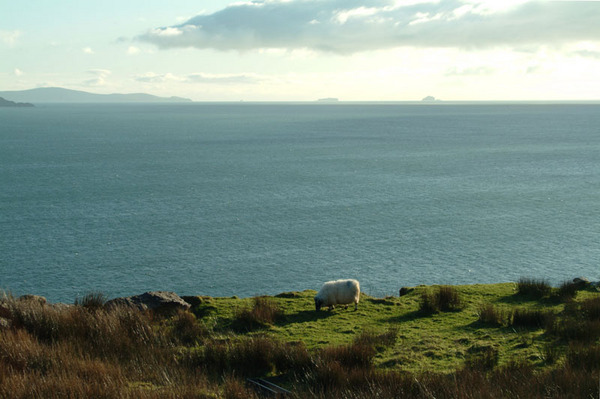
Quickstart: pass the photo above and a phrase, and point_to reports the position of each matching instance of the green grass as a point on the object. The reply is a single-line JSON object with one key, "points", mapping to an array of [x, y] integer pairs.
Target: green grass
{"points": [[439, 342], [492, 335]]}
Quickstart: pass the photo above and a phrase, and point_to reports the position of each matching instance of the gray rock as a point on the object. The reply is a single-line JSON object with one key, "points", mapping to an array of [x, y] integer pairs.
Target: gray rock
{"points": [[164, 302], [581, 281]]}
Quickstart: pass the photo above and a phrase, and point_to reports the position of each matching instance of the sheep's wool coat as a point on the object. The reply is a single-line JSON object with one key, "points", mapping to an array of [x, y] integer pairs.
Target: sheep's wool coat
{"points": [[339, 292]]}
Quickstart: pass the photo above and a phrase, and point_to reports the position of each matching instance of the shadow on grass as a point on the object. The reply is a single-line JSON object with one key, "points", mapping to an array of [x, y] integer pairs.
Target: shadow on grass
{"points": [[304, 316], [520, 299], [410, 316]]}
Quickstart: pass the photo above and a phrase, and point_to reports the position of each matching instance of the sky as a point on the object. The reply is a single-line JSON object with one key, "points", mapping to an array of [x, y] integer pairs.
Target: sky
{"points": [[302, 50]]}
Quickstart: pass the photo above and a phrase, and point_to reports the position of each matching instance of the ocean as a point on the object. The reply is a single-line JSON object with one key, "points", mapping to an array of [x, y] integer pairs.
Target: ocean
{"points": [[248, 199]]}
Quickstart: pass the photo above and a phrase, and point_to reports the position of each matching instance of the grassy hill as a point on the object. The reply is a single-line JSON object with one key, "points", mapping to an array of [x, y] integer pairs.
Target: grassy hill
{"points": [[499, 340]]}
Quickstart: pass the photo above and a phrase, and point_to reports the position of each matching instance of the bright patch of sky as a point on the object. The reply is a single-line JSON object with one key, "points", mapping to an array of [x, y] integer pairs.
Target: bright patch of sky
{"points": [[298, 50]]}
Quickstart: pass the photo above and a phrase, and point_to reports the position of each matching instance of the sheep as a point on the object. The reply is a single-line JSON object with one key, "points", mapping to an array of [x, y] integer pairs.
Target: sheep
{"points": [[339, 292]]}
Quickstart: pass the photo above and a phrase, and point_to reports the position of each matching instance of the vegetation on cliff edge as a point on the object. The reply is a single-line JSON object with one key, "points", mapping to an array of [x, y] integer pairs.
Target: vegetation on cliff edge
{"points": [[521, 339]]}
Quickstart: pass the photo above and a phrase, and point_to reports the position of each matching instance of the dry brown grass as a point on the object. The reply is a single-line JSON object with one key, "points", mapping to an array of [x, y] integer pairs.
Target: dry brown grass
{"points": [[86, 351]]}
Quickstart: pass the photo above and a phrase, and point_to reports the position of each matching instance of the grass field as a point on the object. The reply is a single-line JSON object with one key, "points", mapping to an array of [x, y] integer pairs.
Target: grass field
{"points": [[523, 339]]}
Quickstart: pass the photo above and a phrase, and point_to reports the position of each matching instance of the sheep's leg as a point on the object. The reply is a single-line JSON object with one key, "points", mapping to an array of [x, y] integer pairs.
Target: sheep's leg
{"points": [[346, 307], [355, 306]]}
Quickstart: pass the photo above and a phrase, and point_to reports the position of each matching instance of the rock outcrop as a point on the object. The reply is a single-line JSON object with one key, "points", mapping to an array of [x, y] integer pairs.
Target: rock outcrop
{"points": [[164, 302]]}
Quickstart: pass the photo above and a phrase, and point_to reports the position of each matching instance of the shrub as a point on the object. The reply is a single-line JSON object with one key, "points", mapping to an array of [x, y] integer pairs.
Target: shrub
{"points": [[584, 357], [264, 312], [571, 328], [533, 288], [531, 318], [92, 301], [481, 358], [255, 356], [590, 308], [551, 353], [354, 355], [567, 290], [581, 321], [428, 304], [42, 321], [293, 357], [378, 341], [448, 298], [491, 315], [234, 388], [445, 299], [186, 330]]}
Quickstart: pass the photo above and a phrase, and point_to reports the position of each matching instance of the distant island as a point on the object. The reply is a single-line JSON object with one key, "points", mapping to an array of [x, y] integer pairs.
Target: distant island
{"points": [[7, 103], [61, 95], [431, 99], [328, 100]]}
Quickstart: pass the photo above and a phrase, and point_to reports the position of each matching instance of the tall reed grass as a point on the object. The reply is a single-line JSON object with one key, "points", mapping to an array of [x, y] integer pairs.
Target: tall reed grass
{"points": [[445, 298]]}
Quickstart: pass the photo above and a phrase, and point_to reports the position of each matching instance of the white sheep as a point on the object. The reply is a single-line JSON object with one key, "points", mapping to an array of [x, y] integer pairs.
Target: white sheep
{"points": [[339, 292]]}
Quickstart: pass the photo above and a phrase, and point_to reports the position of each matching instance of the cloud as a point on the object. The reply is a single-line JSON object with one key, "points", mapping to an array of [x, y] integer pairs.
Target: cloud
{"points": [[587, 54], [18, 72], [533, 69], [132, 50], [9, 37], [99, 78], [470, 71], [151, 77], [202, 78], [350, 26], [87, 50], [223, 79]]}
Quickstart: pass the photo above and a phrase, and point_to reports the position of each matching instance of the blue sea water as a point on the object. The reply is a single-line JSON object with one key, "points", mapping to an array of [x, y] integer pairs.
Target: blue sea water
{"points": [[250, 198]]}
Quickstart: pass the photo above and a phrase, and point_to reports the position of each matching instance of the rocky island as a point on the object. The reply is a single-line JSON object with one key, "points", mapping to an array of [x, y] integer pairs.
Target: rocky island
{"points": [[328, 100], [431, 99]]}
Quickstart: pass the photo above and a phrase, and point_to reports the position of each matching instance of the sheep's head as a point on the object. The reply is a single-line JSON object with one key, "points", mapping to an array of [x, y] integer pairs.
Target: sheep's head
{"points": [[318, 304]]}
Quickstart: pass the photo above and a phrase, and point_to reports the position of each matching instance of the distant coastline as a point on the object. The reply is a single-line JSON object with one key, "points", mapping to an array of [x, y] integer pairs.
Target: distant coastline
{"points": [[7, 103], [61, 95]]}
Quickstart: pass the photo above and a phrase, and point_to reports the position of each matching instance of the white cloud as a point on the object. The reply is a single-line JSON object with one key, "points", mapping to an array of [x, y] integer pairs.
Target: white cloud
{"points": [[342, 16], [151, 77], [201, 78], [470, 71], [350, 26], [223, 79], [9, 38], [587, 54], [586, 50], [87, 50], [18, 72], [132, 50], [168, 32], [99, 77]]}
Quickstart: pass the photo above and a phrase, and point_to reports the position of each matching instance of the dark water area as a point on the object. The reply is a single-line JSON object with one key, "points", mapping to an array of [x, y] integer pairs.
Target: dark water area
{"points": [[246, 199]]}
